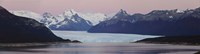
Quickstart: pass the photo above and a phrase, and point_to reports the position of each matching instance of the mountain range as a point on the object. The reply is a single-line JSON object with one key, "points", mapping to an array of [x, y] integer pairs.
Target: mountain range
{"points": [[17, 29], [157, 22], [68, 20]]}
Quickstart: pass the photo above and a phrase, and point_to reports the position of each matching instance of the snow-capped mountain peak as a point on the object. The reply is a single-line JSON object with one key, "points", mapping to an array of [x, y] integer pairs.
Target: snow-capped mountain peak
{"points": [[49, 19], [76, 18], [95, 18], [47, 15], [70, 13], [180, 11], [73, 11], [122, 13], [68, 20]]}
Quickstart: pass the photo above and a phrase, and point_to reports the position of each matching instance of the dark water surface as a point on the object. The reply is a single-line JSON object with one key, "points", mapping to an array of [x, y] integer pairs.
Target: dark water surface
{"points": [[101, 48]]}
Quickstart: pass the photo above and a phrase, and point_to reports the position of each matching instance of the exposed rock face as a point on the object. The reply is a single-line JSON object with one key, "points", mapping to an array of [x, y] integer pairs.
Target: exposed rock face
{"points": [[15, 29]]}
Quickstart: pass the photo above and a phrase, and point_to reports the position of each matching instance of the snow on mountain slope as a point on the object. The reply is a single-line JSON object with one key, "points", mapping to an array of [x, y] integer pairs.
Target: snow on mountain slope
{"points": [[94, 18], [72, 21], [69, 13], [49, 19], [28, 14]]}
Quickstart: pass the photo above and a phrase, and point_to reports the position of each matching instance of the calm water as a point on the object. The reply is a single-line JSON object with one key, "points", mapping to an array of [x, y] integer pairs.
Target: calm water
{"points": [[83, 36], [98, 43], [102, 48]]}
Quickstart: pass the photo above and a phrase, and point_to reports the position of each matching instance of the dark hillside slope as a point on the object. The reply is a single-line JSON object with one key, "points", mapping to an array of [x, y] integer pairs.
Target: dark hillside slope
{"points": [[15, 29]]}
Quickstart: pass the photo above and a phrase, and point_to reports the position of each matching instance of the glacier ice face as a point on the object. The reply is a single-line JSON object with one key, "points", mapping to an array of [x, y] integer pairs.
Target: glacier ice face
{"points": [[83, 36]]}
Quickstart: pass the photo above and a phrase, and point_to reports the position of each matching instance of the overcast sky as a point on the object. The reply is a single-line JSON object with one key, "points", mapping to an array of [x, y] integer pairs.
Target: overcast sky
{"points": [[100, 6]]}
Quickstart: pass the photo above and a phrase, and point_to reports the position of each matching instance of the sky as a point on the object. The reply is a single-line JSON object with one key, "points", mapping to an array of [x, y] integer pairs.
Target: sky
{"points": [[98, 6]]}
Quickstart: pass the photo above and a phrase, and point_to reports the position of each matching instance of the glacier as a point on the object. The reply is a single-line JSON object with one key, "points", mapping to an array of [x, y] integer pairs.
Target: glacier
{"points": [[85, 37]]}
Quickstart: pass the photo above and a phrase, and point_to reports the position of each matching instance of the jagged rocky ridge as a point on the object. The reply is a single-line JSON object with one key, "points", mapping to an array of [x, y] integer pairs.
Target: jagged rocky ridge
{"points": [[75, 23], [157, 22], [16, 29]]}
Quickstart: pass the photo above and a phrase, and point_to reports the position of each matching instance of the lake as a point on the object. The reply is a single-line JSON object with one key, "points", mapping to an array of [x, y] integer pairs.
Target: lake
{"points": [[83, 36], [98, 43], [103, 48]]}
